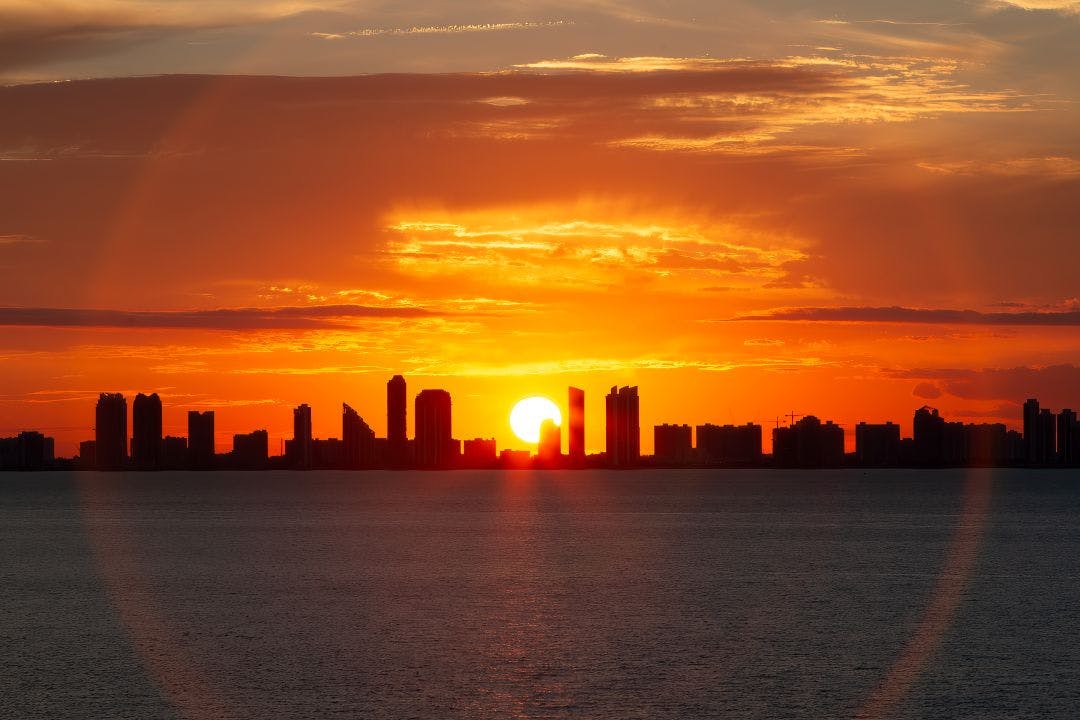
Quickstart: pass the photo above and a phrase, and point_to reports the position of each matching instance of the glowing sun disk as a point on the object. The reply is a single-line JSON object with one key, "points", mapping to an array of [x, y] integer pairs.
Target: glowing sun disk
{"points": [[528, 414]]}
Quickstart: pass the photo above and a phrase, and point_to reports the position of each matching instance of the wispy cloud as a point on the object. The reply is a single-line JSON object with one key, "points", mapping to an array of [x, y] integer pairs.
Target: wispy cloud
{"points": [[917, 316], [314, 317], [441, 29]]}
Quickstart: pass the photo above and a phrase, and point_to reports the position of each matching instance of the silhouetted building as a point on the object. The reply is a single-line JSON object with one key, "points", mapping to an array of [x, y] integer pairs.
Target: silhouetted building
{"points": [[201, 447], [1047, 437], [1032, 441], [809, 444], [251, 451], [1068, 438], [300, 450], [358, 440], [929, 437], [174, 453], [28, 450], [87, 455], [575, 436], [877, 445], [146, 432], [479, 453], [396, 422], [110, 431], [549, 449], [434, 439], [1015, 450], [515, 459], [985, 444], [622, 427], [673, 444], [327, 454], [729, 444]]}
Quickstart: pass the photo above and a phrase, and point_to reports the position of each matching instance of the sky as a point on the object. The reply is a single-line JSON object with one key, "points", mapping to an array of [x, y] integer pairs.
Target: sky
{"points": [[748, 210]]}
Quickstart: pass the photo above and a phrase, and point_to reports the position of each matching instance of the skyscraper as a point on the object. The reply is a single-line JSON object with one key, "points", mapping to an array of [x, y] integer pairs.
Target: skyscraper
{"points": [[1032, 441], [200, 439], [575, 436], [358, 439], [110, 431], [301, 442], [929, 437], [146, 432], [251, 451], [622, 427], [673, 444], [433, 447], [1047, 437], [397, 437]]}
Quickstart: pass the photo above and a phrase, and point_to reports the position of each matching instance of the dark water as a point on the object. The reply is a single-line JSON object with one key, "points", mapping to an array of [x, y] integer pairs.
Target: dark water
{"points": [[546, 595]]}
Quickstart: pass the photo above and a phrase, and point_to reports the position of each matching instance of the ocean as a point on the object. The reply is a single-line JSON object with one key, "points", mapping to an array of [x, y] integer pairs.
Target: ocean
{"points": [[591, 594]]}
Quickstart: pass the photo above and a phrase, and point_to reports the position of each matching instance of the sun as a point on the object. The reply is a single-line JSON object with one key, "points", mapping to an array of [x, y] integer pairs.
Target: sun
{"points": [[528, 414]]}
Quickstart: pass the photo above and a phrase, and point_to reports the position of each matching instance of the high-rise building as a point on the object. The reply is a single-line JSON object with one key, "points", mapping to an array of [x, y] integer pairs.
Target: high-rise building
{"points": [[929, 435], [729, 444], [986, 444], [673, 444], [397, 437], [877, 445], [358, 440], [1032, 441], [201, 447], [110, 431], [251, 451], [1068, 433], [622, 427], [1047, 437], [575, 436], [301, 457], [29, 450], [434, 439], [146, 432], [549, 449], [174, 453], [809, 443]]}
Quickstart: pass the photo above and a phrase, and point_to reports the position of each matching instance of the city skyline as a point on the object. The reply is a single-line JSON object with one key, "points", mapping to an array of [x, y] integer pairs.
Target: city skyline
{"points": [[1046, 439]]}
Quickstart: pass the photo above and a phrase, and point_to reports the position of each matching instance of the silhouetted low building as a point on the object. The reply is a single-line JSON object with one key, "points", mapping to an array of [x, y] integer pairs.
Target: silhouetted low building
{"points": [[28, 450], [986, 445], [174, 453], [251, 451], [877, 445], [327, 454], [673, 444], [479, 453], [515, 459], [738, 445], [809, 443]]}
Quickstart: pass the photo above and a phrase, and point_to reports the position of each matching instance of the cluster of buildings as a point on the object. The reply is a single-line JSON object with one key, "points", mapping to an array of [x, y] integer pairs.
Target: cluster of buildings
{"points": [[1048, 439]]}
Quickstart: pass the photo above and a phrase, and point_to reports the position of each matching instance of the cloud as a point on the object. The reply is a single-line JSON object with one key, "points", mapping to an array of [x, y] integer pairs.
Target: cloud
{"points": [[926, 391], [440, 29], [1054, 384], [296, 318], [18, 239], [33, 31], [917, 316], [1068, 7]]}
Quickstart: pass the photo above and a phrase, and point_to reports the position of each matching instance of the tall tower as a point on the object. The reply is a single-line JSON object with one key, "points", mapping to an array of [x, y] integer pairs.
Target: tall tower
{"points": [[110, 431], [146, 432], [302, 436], [1032, 439], [397, 437], [201, 447], [357, 438], [623, 427], [433, 433], [549, 450], [576, 427]]}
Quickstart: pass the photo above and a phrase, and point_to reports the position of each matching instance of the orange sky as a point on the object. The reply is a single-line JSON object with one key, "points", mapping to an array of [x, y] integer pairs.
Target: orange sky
{"points": [[740, 236]]}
